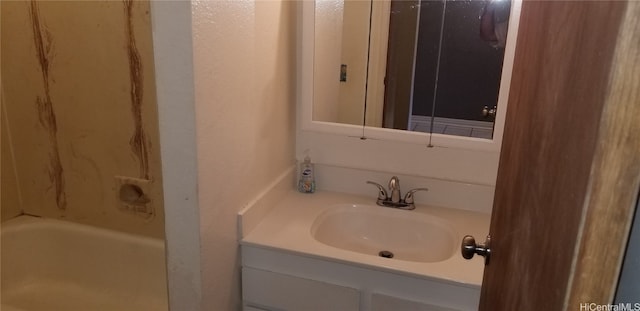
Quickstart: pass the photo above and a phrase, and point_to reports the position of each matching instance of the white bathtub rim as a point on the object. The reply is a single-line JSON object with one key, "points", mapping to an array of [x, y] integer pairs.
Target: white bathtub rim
{"points": [[28, 222]]}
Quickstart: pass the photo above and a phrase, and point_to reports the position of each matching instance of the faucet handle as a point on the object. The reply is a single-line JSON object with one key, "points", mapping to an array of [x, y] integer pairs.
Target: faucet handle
{"points": [[382, 193], [408, 198]]}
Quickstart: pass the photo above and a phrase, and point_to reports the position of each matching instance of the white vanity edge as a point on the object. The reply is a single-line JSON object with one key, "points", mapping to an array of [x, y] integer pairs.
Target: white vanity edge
{"points": [[287, 228], [257, 209]]}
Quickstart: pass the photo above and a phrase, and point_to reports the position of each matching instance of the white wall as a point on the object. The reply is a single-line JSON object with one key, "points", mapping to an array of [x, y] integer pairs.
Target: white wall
{"points": [[244, 70], [172, 45]]}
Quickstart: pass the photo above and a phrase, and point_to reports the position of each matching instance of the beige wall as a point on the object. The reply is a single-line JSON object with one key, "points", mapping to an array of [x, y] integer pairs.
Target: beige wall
{"points": [[9, 196], [355, 41], [244, 68], [80, 104], [327, 59], [342, 37]]}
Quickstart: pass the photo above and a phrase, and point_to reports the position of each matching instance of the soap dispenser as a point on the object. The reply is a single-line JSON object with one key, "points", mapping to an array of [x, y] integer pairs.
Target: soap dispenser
{"points": [[306, 182]]}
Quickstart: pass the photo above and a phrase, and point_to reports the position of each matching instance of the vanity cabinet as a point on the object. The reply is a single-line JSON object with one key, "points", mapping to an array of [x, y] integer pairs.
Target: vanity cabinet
{"points": [[275, 279], [380, 302], [268, 290]]}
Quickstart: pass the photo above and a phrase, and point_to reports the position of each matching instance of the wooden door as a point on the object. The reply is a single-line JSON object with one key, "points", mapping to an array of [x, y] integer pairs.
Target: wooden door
{"points": [[569, 169], [397, 93]]}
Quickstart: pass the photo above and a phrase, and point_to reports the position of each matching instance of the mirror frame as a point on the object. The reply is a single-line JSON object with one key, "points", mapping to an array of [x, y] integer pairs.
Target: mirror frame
{"points": [[306, 89]]}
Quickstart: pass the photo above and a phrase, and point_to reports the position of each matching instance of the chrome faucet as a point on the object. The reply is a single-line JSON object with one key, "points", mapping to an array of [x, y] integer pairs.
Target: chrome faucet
{"points": [[394, 200], [394, 186]]}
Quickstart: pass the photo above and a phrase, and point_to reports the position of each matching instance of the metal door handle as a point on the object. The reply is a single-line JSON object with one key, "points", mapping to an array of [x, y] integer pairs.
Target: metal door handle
{"points": [[469, 248], [486, 112]]}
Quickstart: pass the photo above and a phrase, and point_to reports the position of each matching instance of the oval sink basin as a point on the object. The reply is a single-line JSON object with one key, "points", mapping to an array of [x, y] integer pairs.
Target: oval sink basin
{"points": [[386, 232]]}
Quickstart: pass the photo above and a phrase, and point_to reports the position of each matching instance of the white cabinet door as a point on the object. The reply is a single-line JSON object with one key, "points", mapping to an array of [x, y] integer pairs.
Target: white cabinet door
{"points": [[274, 291], [380, 302]]}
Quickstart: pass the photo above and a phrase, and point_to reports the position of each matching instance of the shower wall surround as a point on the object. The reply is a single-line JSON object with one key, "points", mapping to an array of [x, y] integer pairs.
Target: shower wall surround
{"points": [[10, 206], [79, 109]]}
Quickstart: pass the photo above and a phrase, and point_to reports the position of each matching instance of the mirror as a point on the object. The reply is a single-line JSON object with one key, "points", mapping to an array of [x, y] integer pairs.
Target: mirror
{"points": [[417, 65], [340, 60]]}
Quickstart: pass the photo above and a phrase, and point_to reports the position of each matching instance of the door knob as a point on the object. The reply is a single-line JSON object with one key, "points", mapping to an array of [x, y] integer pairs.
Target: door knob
{"points": [[489, 113], [469, 248]]}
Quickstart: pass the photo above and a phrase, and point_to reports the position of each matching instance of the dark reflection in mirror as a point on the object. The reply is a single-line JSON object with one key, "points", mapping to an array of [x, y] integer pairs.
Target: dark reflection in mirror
{"points": [[444, 64]]}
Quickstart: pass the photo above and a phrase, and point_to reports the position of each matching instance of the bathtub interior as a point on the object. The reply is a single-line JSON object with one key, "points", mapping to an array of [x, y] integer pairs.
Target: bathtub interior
{"points": [[56, 265]]}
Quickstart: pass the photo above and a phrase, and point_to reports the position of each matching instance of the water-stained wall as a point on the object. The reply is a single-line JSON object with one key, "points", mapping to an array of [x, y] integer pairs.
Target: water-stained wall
{"points": [[80, 109]]}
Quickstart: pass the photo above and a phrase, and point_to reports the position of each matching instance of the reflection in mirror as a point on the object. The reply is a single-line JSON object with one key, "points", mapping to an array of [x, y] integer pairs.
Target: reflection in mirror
{"points": [[432, 66], [455, 70], [340, 60]]}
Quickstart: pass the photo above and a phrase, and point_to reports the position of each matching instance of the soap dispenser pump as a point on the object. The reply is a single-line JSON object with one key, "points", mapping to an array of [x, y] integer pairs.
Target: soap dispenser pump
{"points": [[306, 183]]}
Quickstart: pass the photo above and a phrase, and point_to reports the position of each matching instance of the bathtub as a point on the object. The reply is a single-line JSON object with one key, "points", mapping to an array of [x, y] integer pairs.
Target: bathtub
{"points": [[56, 265]]}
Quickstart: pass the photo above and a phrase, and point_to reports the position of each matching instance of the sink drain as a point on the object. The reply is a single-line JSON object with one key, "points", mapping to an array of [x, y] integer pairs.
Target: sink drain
{"points": [[385, 254]]}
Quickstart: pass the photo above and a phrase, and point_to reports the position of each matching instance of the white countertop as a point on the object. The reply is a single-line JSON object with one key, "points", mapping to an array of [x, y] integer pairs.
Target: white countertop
{"points": [[287, 227]]}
